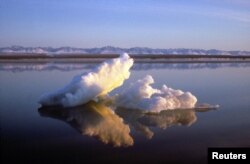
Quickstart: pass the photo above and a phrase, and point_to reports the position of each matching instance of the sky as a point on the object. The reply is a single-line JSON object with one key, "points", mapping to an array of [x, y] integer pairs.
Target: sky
{"points": [[202, 24]]}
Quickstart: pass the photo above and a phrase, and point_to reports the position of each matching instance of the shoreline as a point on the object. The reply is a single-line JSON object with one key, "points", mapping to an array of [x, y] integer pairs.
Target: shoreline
{"points": [[96, 58]]}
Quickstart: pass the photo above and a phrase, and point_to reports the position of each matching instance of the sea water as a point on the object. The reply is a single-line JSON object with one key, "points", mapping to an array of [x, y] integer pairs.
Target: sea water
{"points": [[96, 132]]}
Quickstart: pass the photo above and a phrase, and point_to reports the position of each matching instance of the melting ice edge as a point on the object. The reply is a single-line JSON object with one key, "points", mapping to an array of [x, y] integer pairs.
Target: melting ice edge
{"points": [[111, 74]]}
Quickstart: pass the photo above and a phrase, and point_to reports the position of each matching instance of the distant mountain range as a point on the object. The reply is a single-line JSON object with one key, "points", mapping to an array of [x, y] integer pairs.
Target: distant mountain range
{"points": [[115, 50]]}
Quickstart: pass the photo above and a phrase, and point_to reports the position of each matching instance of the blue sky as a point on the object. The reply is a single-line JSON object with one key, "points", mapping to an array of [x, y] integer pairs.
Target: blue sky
{"points": [[204, 24]]}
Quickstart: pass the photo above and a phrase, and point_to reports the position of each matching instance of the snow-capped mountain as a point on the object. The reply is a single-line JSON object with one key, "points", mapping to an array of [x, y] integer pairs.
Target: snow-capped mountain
{"points": [[115, 50]]}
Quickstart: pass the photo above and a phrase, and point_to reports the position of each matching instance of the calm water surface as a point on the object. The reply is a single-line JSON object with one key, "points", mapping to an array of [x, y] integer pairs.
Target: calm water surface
{"points": [[93, 132]]}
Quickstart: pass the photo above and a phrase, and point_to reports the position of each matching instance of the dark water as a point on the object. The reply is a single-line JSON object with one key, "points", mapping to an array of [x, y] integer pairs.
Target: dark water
{"points": [[94, 133]]}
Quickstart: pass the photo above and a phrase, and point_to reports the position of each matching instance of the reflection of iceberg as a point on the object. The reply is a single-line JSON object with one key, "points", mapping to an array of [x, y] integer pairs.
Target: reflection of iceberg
{"points": [[143, 121], [93, 119], [169, 118], [99, 121]]}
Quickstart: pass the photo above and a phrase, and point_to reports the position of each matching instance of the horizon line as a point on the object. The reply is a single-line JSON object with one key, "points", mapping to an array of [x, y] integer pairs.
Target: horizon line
{"points": [[56, 47]]}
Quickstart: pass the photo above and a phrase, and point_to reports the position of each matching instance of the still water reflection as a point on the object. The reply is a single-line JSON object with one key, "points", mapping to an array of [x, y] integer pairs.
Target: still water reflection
{"points": [[113, 126], [95, 120], [20, 67], [29, 135]]}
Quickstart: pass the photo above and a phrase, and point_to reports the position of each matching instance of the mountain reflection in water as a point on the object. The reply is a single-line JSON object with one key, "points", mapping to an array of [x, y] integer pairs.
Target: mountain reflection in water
{"points": [[113, 126], [20, 67]]}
